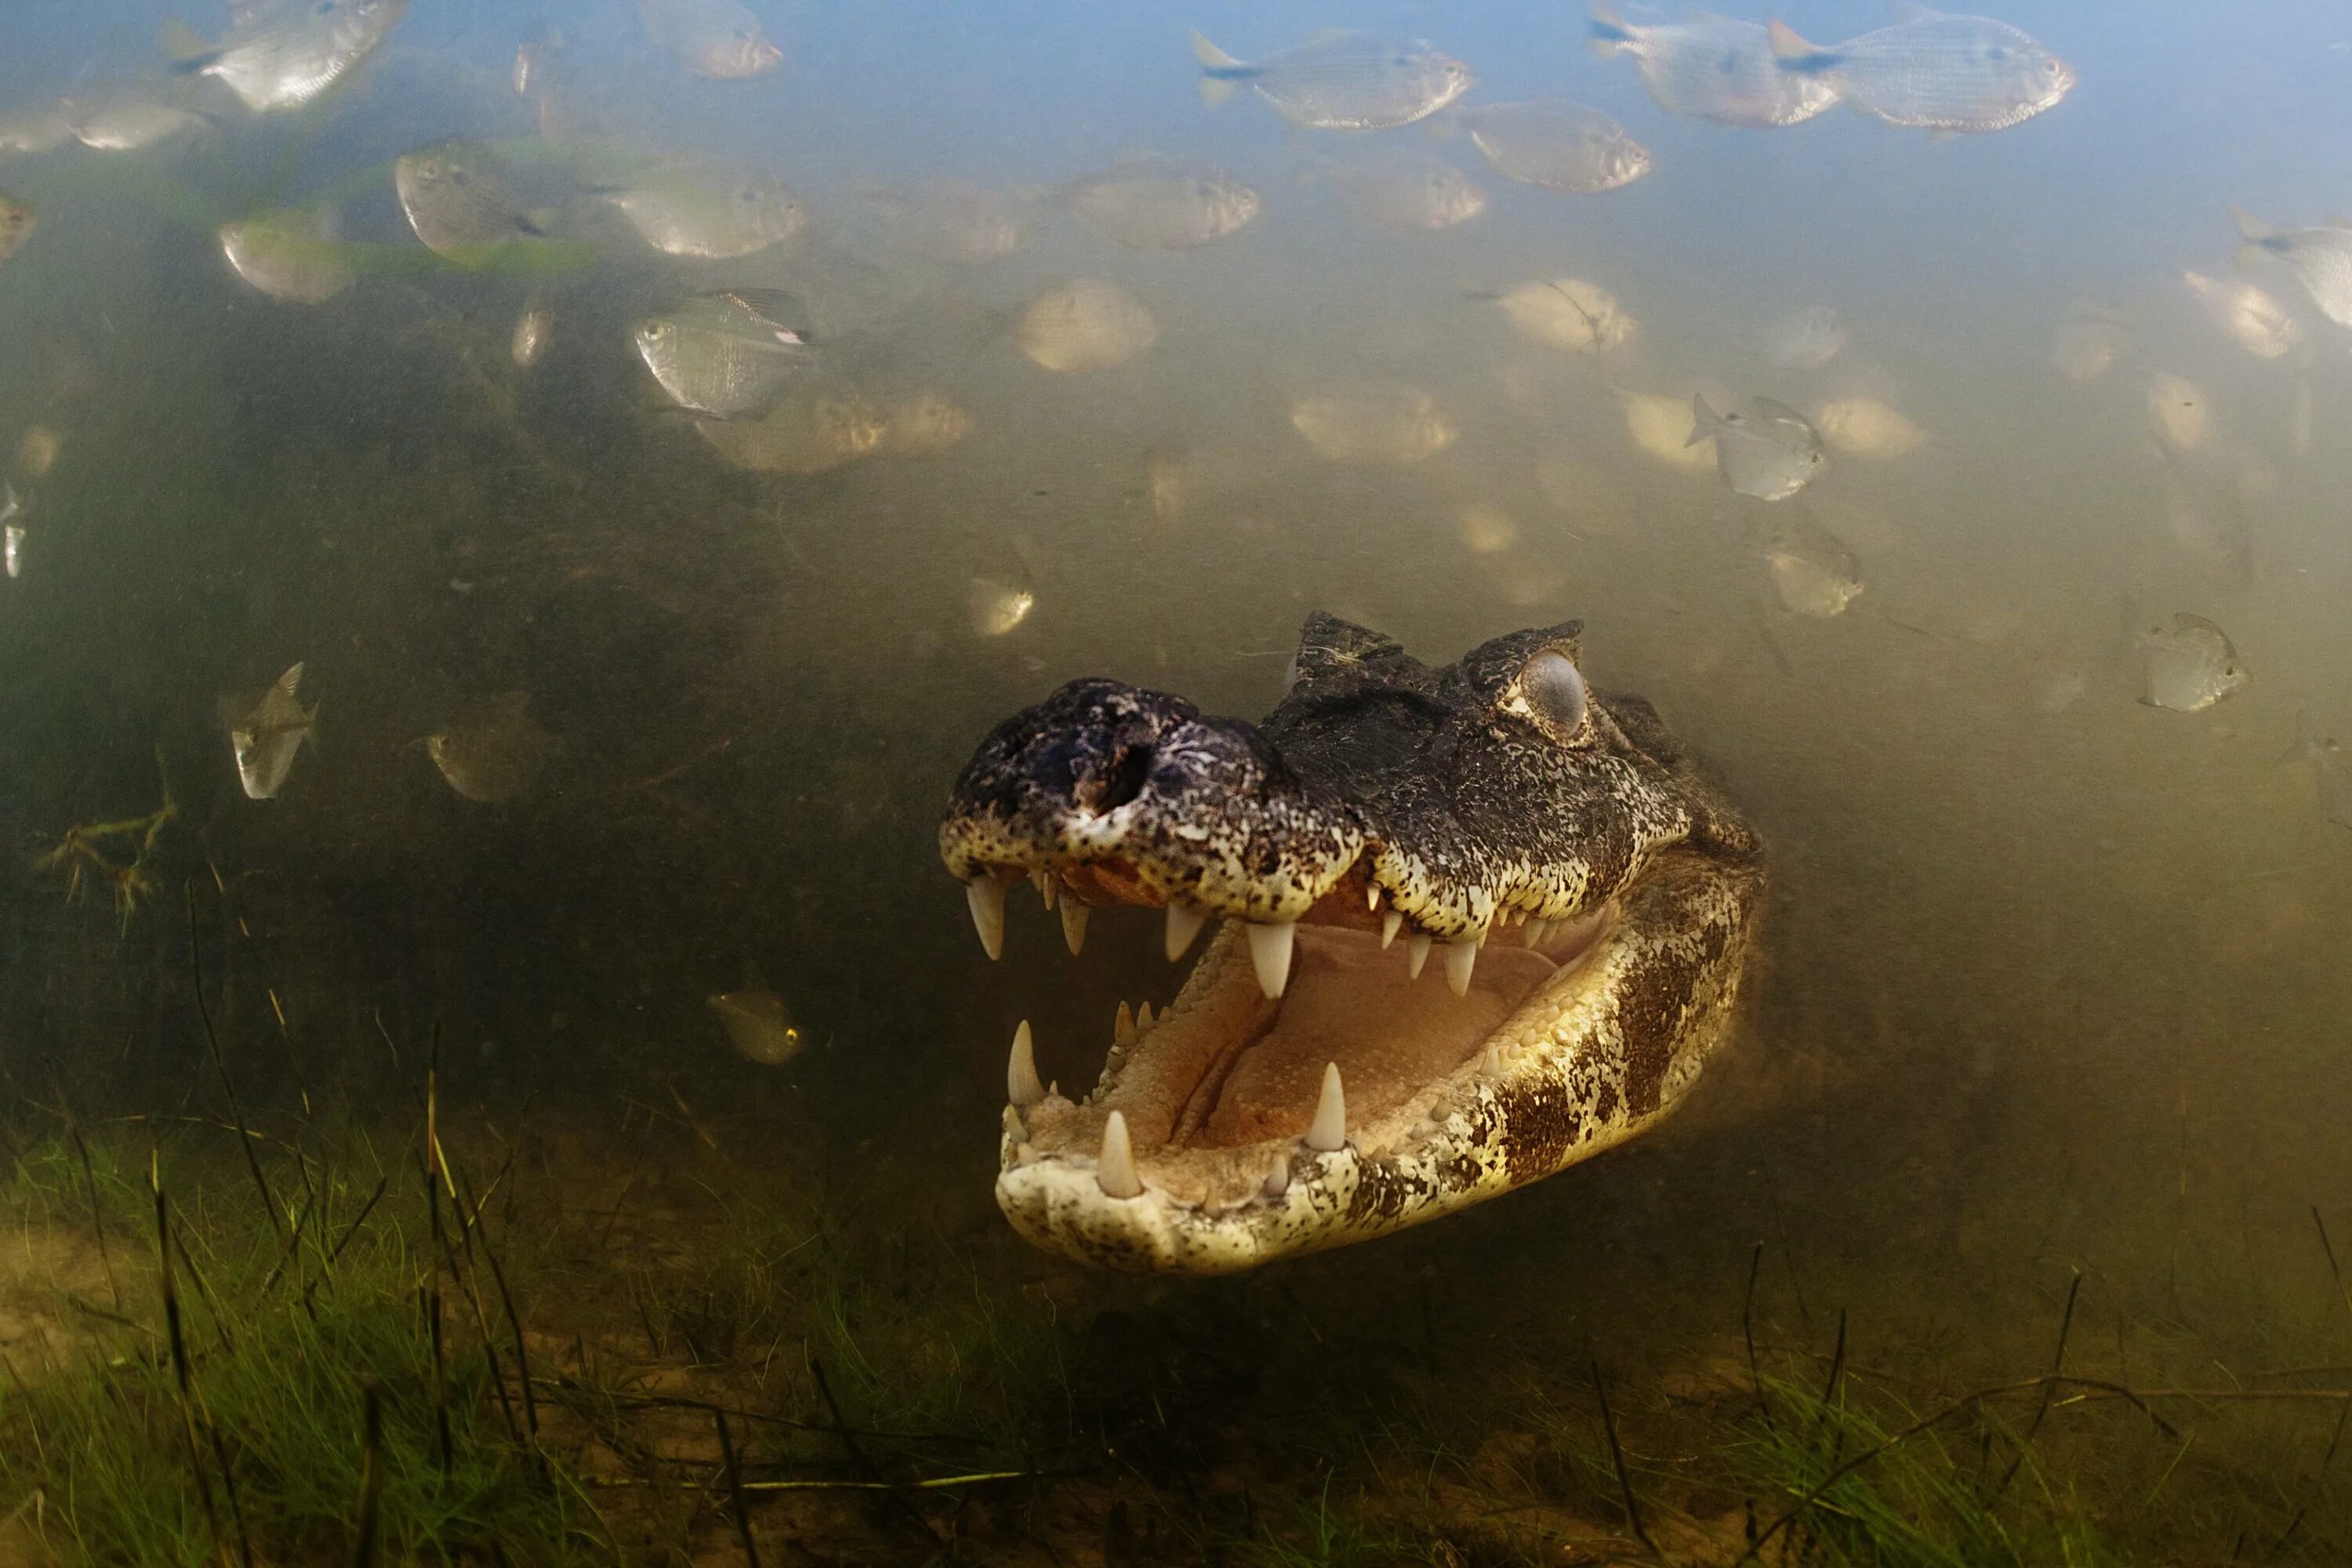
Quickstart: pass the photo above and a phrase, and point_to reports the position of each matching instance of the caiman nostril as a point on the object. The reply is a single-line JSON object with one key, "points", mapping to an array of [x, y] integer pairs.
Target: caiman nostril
{"points": [[1118, 784]]}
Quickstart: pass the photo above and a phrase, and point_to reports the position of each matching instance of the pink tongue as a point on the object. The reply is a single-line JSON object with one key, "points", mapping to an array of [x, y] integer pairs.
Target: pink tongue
{"points": [[1351, 1003]]}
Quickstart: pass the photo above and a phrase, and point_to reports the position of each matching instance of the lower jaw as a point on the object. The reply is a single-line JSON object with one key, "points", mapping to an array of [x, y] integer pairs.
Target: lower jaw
{"points": [[1587, 1057]]}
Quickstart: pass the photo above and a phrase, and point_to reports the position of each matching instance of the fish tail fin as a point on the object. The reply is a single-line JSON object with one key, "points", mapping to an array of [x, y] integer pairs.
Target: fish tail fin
{"points": [[1219, 71], [1705, 421], [1792, 49], [1607, 32], [2250, 227], [311, 727]]}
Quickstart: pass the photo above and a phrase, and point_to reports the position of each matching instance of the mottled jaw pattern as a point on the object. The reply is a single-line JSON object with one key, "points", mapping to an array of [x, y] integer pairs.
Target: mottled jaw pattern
{"points": [[1588, 897]]}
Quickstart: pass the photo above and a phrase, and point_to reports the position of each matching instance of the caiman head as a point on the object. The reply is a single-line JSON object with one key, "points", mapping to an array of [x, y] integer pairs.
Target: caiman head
{"points": [[1583, 895]]}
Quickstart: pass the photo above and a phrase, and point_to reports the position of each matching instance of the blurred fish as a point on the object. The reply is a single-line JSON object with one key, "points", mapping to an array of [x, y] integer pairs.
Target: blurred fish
{"points": [[1088, 324], [12, 546], [758, 1027], [284, 53], [1710, 68], [266, 739], [2205, 514], [1486, 529], [702, 208], [1553, 142], [1378, 423], [997, 607], [1167, 486], [1406, 188], [491, 750], [1805, 340], [33, 129], [2190, 666], [1939, 72], [2086, 345], [121, 119], [811, 429], [716, 38], [2179, 413], [1567, 313], [36, 451], [526, 65], [1769, 451], [1812, 571], [1340, 81], [530, 331], [2327, 759], [1665, 428], [1154, 204], [458, 200], [1866, 428], [17, 221], [728, 351], [946, 218], [289, 254], [2320, 259], [2254, 317], [921, 422]]}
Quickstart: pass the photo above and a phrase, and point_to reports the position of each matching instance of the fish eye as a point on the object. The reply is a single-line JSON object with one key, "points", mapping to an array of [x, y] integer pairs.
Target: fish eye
{"points": [[1553, 688]]}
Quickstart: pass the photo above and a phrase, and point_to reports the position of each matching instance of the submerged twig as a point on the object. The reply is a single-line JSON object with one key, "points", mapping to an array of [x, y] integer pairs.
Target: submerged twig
{"points": [[220, 1065], [2057, 1365], [1748, 1333], [1617, 1457], [736, 1504], [178, 1343]]}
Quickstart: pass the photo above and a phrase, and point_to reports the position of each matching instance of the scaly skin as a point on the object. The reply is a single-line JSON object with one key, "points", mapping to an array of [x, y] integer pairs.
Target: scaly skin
{"points": [[1455, 802]]}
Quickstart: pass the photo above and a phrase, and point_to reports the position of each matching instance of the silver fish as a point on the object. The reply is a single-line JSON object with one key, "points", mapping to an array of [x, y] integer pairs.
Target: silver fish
{"points": [[2205, 514], [124, 121], [290, 254], [1084, 324], [1769, 451], [1812, 569], [12, 533], [998, 607], [2254, 317], [265, 740], [2086, 345], [1711, 68], [1949, 74], [2326, 755], [2191, 665], [1404, 188], [455, 195], [717, 38], [530, 333], [1373, 423], [758, 1027], [284, 54], [1340, 81], [1553, 142], [728, 352], [2320, 259], [1153, 204], [947, 220], [493, 750], [17, 221], [1807, 339], [708, 210]]}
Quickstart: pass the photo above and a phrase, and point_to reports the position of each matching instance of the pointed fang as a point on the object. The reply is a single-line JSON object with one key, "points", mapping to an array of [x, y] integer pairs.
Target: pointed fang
{"points": [[1143, 1017], [1074, 924], [1122, 1027], [1270, 955], [1390, 923], [1329, 1133], [1184, 923], [1115, 1170], [1416, 953], [1042, 880], [1021, 1084], [1461, 957], [987, 897], [1372, 897]]}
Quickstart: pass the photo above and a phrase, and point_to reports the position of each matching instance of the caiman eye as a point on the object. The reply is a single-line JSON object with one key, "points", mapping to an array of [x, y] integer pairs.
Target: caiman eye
{"points": [[1554, 690]]}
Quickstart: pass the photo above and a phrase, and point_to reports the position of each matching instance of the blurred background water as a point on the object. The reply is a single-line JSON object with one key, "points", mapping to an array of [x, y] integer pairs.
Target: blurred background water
{"points": [[2051, 977]]}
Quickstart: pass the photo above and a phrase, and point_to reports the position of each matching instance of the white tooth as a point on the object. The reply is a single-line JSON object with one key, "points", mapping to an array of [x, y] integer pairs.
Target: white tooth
{"points": [[1042, 880], [986, 895], [1122, 1028], [1143, 1017], [1461, 957], [1270, 955], [1074, 924], [1184, 923], [1538, 932], [1416, 953], [1389, 924], [1330, 1133], [1372, 897], [1115, 1170], [1277, 1181], [1021, 1084]]}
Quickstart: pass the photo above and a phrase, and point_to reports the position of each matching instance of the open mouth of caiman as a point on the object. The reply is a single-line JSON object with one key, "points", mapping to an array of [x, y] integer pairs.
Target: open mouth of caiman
{"points": [[1473, 924]]}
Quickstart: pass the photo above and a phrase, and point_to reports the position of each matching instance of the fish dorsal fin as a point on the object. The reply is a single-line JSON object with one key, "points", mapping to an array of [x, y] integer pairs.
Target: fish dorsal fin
{"points": [[1789, 45], [290, 682], [2183, 621], [1912, 11], [1771, 408], [2252, 228], [1210, 56], [1710, 18], [1705, 421], [180, 43]]}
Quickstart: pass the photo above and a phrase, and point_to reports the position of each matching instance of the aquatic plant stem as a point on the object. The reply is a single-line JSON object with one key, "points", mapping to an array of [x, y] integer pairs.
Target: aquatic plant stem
{"points": [[2057, 1365], [735, 1501], [1617, 1457], [370, 1472], [180, 1356], [220, 1065]]}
